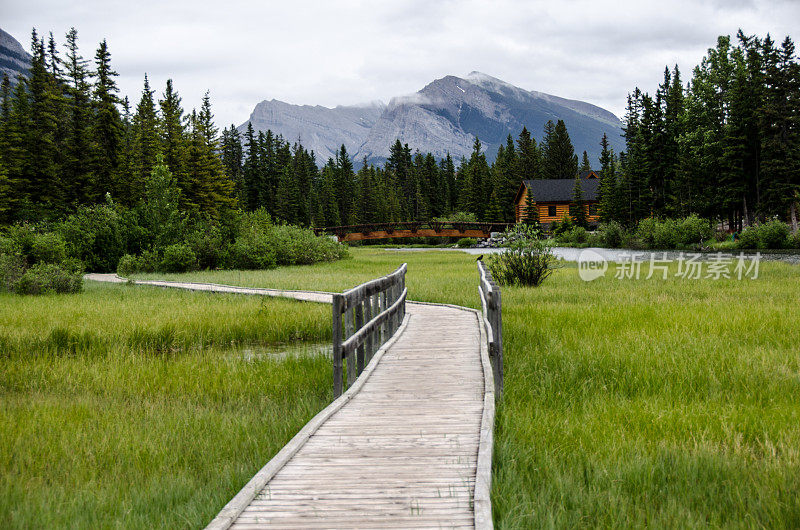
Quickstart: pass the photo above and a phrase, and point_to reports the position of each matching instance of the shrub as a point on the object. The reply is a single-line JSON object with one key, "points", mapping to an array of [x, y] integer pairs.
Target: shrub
{"points": [[466, 242], [794, 240], [45, 278], [610, 234], [527, 260], [149, 261], [577, 235], [9, 246], [252, 251], [127, 265], [749, 237], [48, 248], [665, 234], [207, 244], [693, 230], [178, 258], [645, 232], [95, 236], [558, 228], [12, 267], [22, 236], [773, 234]]}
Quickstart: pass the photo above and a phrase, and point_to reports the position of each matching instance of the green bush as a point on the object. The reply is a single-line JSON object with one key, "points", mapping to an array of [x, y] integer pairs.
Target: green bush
{"points": [[44, 278], [645, 232], [773, 234], [12, 267], [9, 246], [252, 251], [694, 230], [576, 235], [466, 242], [207, 244], [794, 240], [300, 246], [95, 235], [22, 236], [665, 234], [127, 265], [610, 234], [178, 258], [149, 261], [749, 238], [528, 259], [565, 225], [48, 248]]}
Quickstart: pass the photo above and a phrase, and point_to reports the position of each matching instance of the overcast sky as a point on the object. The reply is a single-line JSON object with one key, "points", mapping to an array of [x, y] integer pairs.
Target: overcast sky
{"points": [[353, 51]]}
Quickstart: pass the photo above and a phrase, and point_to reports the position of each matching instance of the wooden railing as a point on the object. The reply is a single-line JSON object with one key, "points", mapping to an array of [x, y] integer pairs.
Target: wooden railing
{"points": [[372, 313], [493, 317]]}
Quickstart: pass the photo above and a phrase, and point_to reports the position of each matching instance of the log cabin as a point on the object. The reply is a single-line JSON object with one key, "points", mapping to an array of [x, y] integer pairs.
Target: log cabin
{"points": [[552, 197]]}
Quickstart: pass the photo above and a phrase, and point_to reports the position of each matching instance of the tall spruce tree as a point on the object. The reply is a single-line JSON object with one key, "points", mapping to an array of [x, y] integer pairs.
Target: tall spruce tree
{"points": [[559, 160], [107, 129]]}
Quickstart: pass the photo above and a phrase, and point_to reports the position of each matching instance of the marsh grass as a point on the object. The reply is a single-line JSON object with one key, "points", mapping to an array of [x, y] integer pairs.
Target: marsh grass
{"points": [[661, 403], [134, 407]]}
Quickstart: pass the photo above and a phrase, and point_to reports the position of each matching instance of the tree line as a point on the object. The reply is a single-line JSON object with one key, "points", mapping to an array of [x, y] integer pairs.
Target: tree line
{"points": [[409, 186], [67, 139], [726, 146]]}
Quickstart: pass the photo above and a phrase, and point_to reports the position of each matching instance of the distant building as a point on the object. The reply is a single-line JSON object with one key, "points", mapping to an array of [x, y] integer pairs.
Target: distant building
{"points": [[552, 197]]}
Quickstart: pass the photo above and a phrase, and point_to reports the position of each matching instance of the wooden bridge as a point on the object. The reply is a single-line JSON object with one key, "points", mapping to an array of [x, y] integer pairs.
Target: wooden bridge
{"points": [[412, 229], [409, 443]]}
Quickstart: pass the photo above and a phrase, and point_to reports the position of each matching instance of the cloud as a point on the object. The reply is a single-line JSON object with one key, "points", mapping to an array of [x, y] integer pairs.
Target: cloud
{"points": [[349, 51]]}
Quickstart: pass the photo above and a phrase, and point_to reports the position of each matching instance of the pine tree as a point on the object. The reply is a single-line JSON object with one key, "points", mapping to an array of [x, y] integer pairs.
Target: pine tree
{"points": [[529, 157], [578, 206], [585, 164], [250, 176], [146, 139], [77, 174], [531, 211], [41, 186], [780, 144], [559, 160], [107, 126], [172, 140]]}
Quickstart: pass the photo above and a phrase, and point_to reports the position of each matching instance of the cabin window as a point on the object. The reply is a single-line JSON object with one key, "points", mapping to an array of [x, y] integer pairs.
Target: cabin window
{"points": [[551, 210]]}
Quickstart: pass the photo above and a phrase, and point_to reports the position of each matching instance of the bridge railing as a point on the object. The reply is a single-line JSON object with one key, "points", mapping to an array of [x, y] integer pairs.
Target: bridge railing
{"points": [[492, 307], [364, 318]]}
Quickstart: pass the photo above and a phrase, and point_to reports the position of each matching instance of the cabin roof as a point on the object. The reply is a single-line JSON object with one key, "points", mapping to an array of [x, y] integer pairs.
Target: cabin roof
{"points": [[560, 190]]}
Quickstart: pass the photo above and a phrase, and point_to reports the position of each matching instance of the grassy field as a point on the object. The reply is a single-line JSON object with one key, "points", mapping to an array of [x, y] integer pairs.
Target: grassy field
{"points": [[139, 407], [628, 403]]}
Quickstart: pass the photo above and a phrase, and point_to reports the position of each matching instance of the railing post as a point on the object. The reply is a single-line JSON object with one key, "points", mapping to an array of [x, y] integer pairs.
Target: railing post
{"points": [[338, 302], [352, 372], [359, 309], [497, 330], [367, 317]]}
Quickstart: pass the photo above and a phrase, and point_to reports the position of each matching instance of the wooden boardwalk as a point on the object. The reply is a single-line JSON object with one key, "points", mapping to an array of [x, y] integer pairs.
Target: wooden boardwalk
{"points": [[404, 447]]}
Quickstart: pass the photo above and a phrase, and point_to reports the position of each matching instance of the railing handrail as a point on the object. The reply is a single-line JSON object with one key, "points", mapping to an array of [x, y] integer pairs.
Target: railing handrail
{"points": [[491, 305], [373, 312]]}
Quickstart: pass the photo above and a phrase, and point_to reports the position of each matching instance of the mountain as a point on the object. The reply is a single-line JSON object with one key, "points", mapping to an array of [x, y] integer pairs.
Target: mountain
{"points": [[14, 60], [444, 117], [318, 128]]}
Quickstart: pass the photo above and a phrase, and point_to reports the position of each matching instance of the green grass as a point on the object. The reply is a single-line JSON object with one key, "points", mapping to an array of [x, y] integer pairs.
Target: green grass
{"points": [[628, 403], [135, 407]]}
